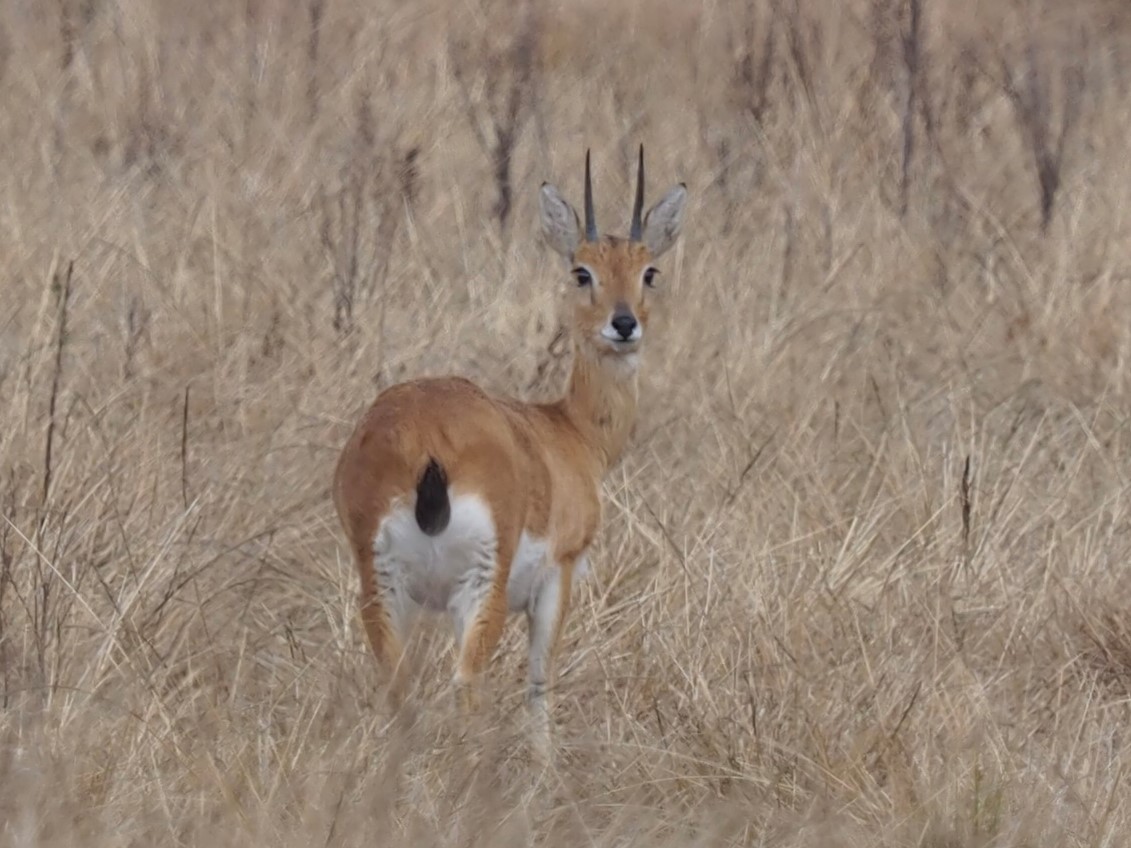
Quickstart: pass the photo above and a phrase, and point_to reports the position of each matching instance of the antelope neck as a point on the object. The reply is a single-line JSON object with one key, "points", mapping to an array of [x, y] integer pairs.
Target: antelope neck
{"points": [[600, 401]]}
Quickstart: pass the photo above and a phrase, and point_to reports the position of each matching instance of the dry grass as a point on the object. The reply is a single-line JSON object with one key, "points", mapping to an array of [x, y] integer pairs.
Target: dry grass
{"points": [[860, 578]]}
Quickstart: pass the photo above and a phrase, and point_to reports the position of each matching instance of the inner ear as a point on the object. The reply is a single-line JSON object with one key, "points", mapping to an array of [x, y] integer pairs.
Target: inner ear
{"points": [[664, 221], [560, 224]]}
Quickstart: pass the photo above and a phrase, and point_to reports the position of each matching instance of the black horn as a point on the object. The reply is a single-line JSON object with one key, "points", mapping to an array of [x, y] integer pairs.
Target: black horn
{"points": [[590, 217], [636, 231]]}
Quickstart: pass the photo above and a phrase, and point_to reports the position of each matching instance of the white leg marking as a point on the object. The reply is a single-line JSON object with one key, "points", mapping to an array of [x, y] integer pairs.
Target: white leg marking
{"points": [[580, 569], [542, 617], [529, 568], [388, 572], [474, 586]]}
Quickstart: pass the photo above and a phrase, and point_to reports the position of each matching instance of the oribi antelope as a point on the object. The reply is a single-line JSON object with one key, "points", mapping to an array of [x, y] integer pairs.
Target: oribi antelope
{"points": [[455, 499]]}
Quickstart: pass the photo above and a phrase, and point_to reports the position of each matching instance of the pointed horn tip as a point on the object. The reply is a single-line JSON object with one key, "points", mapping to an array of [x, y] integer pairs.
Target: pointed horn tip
{"points": [[590, 215], [636, 229]]}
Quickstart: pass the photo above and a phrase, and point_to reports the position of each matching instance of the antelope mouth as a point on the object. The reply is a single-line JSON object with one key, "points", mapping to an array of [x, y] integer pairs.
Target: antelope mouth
{"points": [[619, 346]]}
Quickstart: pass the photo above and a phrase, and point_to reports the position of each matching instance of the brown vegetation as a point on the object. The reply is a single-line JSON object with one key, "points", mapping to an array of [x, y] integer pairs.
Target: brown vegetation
{"points": [[861, 580]]}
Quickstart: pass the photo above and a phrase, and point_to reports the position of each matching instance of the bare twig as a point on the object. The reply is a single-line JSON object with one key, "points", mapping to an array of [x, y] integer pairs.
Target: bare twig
{"points": [[755, 69], [317, 8], [67, 37], [967, 501], [63, 294], [500, 105], [184, 448], [803, 40], [360, 217], [137, 319], [912, 60], [1029, 92], [733, 493], [675, 549]]}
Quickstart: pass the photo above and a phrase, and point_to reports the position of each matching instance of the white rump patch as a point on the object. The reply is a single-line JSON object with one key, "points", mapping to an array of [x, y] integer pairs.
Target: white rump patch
{"points": [[430, 568], [436, 571]]}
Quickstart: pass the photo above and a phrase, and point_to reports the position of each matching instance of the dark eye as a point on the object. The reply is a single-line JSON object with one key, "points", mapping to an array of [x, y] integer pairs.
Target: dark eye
{"points": [[583, 277], [650, 276]]}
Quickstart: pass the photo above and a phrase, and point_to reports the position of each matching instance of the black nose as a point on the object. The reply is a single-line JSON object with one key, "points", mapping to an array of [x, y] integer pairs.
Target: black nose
{"points": [[624, 324]]}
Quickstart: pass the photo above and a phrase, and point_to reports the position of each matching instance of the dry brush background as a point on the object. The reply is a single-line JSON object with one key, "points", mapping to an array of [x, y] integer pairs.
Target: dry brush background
{"points": [[862, 579]]}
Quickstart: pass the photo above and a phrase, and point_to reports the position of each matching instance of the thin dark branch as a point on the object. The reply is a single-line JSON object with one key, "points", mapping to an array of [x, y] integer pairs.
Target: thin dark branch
{"points": [[317, 7], [680, 558], [498, 113], [63, 293], [967, 501], [1032, 102], [912, 59], [733, 493], [184, 448]]}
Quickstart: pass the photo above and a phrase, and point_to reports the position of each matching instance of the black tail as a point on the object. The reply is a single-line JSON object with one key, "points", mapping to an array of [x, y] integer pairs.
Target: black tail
{"points": [[433, 509]]}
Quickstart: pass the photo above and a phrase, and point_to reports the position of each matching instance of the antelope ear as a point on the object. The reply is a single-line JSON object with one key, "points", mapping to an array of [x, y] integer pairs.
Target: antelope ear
{"points": [[664, 220], [560, 224]]}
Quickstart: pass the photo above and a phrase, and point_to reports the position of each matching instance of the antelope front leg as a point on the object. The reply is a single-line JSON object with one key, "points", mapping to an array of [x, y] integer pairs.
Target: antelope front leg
{"points": [[545, 616]]}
